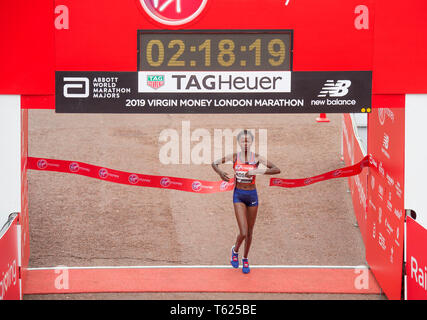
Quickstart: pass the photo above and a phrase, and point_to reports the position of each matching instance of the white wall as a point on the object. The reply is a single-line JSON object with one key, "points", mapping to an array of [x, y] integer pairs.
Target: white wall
{"points": [[416, 155], [10, 156], [360, 128]]}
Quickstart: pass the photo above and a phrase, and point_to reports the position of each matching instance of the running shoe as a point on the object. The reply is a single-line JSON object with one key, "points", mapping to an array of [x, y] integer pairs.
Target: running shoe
{"points": [[245, 268], [234, 258]]}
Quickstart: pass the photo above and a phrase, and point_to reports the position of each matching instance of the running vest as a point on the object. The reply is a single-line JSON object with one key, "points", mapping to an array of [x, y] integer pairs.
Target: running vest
{"points": [[240, 168]]}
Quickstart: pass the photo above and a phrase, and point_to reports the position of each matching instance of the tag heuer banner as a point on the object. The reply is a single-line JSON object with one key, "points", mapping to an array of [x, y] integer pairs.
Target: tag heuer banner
{"points": [[213, 92]]}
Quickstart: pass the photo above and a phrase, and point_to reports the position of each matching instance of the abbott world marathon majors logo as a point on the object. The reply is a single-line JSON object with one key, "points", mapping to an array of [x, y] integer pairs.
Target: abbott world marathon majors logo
{"points": [[96, 88], [173, 12]]}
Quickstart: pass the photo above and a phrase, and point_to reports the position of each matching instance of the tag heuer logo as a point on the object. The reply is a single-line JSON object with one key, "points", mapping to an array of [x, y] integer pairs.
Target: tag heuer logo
{"points": [[155, 82]]}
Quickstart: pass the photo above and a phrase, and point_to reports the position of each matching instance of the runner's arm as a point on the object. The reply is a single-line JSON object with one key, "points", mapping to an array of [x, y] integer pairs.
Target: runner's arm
{"points": [[216, 163], [271, 167]]}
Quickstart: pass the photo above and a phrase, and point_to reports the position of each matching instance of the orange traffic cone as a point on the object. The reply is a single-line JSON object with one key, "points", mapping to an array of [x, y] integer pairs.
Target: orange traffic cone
{"points": [[322, 118]]}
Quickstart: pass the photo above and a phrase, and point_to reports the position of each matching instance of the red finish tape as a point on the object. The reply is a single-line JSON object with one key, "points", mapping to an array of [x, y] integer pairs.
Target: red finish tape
{"points": [[338, 173], [182, 184], [129, 178]]}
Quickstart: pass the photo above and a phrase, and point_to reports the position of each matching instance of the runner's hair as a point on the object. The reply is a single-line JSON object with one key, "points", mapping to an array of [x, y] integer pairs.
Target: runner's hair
{"points": [[246, 133]]}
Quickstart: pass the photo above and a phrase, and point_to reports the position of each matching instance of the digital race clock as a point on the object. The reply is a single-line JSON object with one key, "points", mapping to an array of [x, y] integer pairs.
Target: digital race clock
{"points": [[214, 71], [215, 50]]}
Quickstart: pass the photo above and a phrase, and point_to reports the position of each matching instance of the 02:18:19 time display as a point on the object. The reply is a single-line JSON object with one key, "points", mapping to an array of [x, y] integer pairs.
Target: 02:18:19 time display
{"points": [[258, 52]]}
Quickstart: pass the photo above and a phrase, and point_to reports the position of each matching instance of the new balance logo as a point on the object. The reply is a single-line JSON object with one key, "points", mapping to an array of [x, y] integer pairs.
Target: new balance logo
{"points": [[338, 89]]}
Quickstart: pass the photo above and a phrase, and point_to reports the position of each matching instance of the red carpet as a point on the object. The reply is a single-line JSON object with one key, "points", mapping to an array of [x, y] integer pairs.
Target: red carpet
{"points": [[268, 280]]}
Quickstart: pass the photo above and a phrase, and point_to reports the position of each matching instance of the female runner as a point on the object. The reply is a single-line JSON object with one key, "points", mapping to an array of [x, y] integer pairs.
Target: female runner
{"points": [[245, 197]]}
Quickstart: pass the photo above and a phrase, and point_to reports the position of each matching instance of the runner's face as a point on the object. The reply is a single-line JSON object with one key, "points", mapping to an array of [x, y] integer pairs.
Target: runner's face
{"points": [[245, 142]]}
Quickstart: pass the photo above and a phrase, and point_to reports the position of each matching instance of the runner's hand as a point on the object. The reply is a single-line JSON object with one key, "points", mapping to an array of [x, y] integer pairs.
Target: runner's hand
{"points": [[255, 172], [224, 176], [251, 173]]}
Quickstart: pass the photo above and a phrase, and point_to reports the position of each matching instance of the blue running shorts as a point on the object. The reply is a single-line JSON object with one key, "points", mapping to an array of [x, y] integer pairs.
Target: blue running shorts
{"points": [[248, 197]]}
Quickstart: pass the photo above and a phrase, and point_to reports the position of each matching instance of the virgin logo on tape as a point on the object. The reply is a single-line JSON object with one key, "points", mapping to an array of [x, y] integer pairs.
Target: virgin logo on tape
{"points": [[224, 185], [198, 186], [104, 174], [166, 182], [43, 164], [134, 179], [173, 12], [75, 167]]}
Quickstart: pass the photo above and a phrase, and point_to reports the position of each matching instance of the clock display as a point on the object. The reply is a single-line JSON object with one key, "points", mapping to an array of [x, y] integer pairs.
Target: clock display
{"points": [[249, 50]]}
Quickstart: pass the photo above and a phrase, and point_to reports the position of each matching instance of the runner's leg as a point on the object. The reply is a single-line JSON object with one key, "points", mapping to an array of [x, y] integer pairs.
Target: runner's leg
{"points": [[240, 212], [251, 214]]}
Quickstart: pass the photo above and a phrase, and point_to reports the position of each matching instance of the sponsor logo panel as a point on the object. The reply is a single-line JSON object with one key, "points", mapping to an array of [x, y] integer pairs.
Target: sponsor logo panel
{"points": [[212, 92]]}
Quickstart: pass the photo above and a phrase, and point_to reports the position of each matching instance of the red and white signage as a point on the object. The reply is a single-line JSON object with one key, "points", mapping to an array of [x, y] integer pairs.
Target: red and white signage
{"points": [[416, 260], [353, 153], [9, 264], [385, 221]]}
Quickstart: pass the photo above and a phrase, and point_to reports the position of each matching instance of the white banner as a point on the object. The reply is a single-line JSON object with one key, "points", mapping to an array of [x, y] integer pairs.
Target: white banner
{"points": [[214, 82], [10, 160]]}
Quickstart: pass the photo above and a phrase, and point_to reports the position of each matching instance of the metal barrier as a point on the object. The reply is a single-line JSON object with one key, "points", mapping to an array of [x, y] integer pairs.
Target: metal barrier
{"points": [[9, 221]]}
